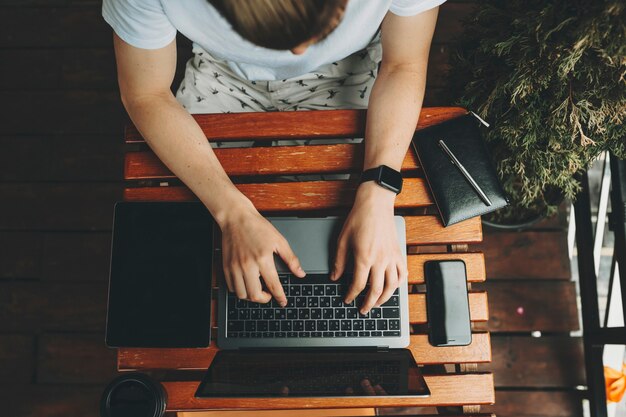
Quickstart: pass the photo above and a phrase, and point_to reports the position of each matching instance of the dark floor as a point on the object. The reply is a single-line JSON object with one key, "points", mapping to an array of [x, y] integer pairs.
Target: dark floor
{"points": [[60, 173]]}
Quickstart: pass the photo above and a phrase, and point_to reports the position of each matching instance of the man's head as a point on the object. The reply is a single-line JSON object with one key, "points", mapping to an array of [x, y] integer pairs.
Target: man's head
{"points": [[282, 24]]}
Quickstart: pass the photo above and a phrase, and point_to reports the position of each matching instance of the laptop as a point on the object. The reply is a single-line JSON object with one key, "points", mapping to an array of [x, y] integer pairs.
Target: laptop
{"points": [[316, 315]]}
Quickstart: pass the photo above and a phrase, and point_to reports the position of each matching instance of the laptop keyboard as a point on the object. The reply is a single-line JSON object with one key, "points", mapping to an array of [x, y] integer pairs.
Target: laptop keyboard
{"points": [[315, 308]]}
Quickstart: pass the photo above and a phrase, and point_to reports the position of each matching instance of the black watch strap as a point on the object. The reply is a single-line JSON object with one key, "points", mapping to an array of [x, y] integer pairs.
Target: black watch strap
{"points": [[384, 176]]}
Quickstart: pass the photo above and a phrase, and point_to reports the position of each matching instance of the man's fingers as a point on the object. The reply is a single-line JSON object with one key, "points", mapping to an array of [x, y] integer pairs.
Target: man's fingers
{"points": [[367, 387], [379, 390], [229, 281], [270, 276], [253, 287], [239, 284], [391, 283], [377, 281], [290, 258], [340, 259], [359, 280]]}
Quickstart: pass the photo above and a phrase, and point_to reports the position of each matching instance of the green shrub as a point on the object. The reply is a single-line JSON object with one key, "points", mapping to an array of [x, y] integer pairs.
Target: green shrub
{"points": [[550, 77]]}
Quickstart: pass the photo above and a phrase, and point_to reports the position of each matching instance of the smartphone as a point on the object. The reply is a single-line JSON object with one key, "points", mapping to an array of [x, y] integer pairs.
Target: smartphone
{"points": [[447, 303]]}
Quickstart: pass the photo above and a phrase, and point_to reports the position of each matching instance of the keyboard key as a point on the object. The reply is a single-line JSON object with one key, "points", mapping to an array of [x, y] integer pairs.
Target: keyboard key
{"points": [[381, 324], [333, 324], [377, 334], [336, 302], [268, 314], [304, 334], [232, 314], [300, 301], [294, 290], [328, 313], [309, 325], [391, 312], [340, 334], [255, 334], [280, 334], [307, 290], [243, 314], [316, 313], [322, 325], [340, 313], [261, 325], [274, 326], [357, 325], [241, 303], [375, 313], [394, 301], [324, 301], [346, 325], [394, 324], [318, 290], [255, 314], [312, 302], [250, 326], [291, 302], [391, 333], [364, 334], [370, 324], [235, 326], [316, 334], [298, 325], [353, 334], [268, 335], [285, 326], [231, 334], [292, 334], [352, 312], [244, 334], [328, 334], [304, 314], [292, 313], [331, 290], [280, 314]]}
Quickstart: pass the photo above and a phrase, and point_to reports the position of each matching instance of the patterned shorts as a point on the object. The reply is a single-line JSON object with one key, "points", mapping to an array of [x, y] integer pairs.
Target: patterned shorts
{"points": [[210, 86]]}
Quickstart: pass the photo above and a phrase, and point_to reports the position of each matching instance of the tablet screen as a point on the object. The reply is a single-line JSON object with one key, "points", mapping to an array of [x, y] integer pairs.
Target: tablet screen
{"points": [[160, 283], [313, 373]]}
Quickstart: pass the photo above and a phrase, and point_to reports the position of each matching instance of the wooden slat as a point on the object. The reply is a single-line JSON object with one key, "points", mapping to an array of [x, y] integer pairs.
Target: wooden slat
{"points": [[474, 265], [537, 362], [520, 403], [428, 230], [446, 390], [33, 400], [17, 354], [189, 359], [526, 254], [35, 306], [275, 160], [322, 124], [479, 310], [526, 306], [76, 256], [58, 206], [64, 358], [20, 255], [285, 196]]}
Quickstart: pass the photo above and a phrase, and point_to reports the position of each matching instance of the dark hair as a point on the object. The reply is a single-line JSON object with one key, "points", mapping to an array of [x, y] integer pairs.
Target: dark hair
{"points": [[281, 24]]}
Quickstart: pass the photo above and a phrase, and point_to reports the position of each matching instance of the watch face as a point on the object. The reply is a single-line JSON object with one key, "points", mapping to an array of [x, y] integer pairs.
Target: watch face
{"points": [[390, 179]]}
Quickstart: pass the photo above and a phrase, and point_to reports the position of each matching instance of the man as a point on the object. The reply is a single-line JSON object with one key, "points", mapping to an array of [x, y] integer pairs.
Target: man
{"points": [[256, 55]]}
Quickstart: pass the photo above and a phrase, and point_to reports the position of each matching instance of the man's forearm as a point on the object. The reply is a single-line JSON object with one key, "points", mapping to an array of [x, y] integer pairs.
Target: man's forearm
{"points": [[179, 142], [394, 108]]}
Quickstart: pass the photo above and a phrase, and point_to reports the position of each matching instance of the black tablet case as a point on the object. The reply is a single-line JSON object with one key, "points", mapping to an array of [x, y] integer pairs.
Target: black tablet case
{"points": [[455, 198], [160, 282]]}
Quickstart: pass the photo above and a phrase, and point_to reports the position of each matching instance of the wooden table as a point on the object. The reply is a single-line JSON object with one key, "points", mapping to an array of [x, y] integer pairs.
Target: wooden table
{"points": [[455, 384]]}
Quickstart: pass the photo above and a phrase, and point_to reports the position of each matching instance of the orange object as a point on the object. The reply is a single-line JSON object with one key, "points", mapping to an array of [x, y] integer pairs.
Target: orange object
{"points": [[615, 383]]}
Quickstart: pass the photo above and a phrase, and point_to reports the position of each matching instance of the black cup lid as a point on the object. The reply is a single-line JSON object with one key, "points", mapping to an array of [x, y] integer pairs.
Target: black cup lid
{"points": [[133, 395]]}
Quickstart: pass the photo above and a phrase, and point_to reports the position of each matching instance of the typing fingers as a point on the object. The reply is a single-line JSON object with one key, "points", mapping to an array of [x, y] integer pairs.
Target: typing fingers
{"points": [[254, 289], [391, 283], [270, 276], [377, 281]]}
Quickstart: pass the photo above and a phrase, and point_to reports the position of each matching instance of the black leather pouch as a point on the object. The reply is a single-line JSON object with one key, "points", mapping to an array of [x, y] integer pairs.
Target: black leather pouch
{"points": [[454, 195]]}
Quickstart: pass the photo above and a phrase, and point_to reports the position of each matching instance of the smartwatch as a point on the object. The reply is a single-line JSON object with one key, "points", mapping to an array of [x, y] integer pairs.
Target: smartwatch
{"points": [[384, 176]]}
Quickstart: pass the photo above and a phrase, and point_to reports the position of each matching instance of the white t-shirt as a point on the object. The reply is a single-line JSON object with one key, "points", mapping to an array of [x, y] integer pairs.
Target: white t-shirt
{"points": [[152, 24]]}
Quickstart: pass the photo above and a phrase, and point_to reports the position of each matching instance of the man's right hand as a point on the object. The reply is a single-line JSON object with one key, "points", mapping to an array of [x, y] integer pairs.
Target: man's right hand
{"points": [[249, 242]]}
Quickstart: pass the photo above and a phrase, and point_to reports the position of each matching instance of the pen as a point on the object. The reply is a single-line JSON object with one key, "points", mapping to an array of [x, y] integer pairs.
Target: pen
{"points": [[465, 173]]}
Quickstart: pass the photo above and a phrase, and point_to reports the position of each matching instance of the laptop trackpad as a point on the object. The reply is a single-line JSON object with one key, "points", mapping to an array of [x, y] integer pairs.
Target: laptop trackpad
{"points": [[314, 241]]}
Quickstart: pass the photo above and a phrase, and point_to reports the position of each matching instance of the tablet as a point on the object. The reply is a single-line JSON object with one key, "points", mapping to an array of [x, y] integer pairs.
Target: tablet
{"points": [[313, 373], [160, 281]]}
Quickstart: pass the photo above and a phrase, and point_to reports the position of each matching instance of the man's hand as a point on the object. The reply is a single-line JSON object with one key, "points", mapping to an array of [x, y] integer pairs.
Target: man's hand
{"points": [[370, 233], [249, 243]]}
